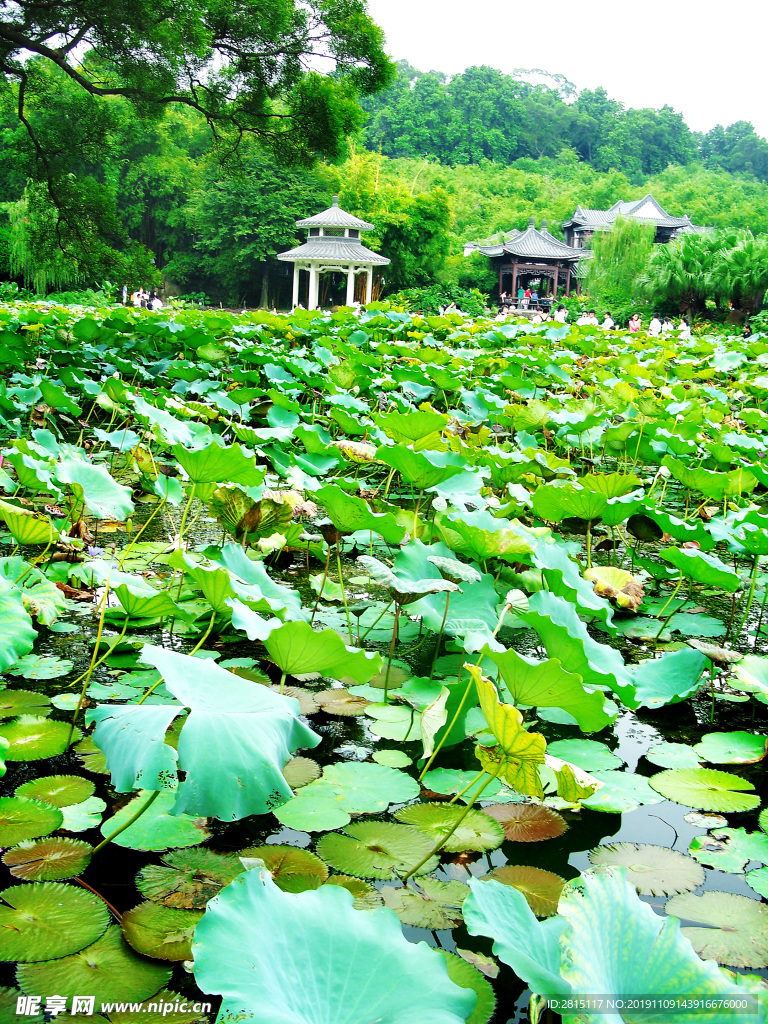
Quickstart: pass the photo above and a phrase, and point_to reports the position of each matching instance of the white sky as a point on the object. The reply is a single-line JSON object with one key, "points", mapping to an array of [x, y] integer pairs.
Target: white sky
{"points": [[704, 59]]}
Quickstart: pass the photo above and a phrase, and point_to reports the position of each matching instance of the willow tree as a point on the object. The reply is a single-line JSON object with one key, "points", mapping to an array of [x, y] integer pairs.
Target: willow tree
{"points": [[620, 257]]}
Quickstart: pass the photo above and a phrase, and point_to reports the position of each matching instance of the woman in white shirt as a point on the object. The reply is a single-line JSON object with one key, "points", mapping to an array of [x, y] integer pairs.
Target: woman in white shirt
{"points": [[654, 327]]}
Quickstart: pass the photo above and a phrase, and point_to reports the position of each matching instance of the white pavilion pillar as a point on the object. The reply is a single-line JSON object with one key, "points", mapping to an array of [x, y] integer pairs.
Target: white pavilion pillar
{"points": [[313, 287], [295, 299], [350, 286], [369, 285]]}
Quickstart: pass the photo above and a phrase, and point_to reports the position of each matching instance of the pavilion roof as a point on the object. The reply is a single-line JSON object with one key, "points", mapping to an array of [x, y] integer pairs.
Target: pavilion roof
{"points": [[531, 244], [334, 217], [646, 209], [330, 249]]}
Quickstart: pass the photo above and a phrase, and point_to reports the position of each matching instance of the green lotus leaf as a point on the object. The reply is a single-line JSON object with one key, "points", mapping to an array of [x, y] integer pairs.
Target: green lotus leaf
{"points": [[730, 849], [32, 738], [169, 428], [421, 469], [17, 634], [751, 675], [8, 1005], [758, 880], [24, 818], [364, 895], [404, 590], [148, 603], [706, 789], [735, 928], [300, 771], [234, 742], [554, 502], [187, 879], [37, 666], [42, 598], [563, 577], [91, 757], [27, 526], [349, 965], [292, 869], [452, 569], [160, 932], [297, 649], [530, 947], [477, 831], [48, 859], [108, 969], [466, 976], [479, 536], [541, 889], [431, 908], [731, 747], [80, 817], [24, 702], [587, 754], [392, 758], [44, 920], [620, 792], [421, 428], [216, 464], [349, 513], [653, 870], [93, 484], [673, 755], [278, 599], [703, 568], [159, 827], [132, 737], [314, 812], [547, 684], [669, 679], [376, 849], [59, 790], [615, 942], [528, 822]]}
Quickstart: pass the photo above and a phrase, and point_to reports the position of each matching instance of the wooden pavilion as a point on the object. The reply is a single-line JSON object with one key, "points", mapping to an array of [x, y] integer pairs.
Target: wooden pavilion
{"points": [[585, 222]]}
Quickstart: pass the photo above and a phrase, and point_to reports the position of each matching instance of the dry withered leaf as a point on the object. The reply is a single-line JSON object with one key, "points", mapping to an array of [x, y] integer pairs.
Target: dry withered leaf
{"points": [[616, 585]]}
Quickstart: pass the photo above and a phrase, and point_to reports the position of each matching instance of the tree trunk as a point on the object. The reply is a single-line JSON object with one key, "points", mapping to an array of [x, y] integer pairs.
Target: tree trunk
{"points": [[264, 300]]}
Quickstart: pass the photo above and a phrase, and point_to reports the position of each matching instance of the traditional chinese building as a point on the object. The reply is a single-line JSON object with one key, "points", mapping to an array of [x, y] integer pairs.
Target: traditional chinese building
{"points": [[333, 246], [584, 222], [536, 260]]}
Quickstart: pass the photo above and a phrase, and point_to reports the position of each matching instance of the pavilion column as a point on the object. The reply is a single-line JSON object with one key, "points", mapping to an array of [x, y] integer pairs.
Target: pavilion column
{"points": [[350, 286], [554, 284], [369, 285], [568, 281], [501, 281], [296, 275], [514, 283], [313, 287]]}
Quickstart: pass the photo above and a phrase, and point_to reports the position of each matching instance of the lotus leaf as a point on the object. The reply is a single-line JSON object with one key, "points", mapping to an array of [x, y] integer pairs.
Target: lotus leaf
{"points": [[542, 889], [17, 634], [735, 928], [297, 649], [27, 526], [587, 754], [653, 870], [616, 585], [292, 869], [349, 514], [751, 675], [300, 771], [93, 484], [216, 464], [758, 880], [376, 849], [673, 755], [706, 789], [527, 822], [24, 818], [158, 828], [703, 568], [80, 817], [36, 666], [620, 791], [48, 919], [730, 849], [160, 932], [188, 878], [364, 895], [421, 469], [476, 830], [348, 963], [404, 590], [48, 859], [731, 747], [392, 758]]}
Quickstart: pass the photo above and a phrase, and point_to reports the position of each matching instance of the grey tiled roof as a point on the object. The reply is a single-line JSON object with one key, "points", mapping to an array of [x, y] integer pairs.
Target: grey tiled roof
{"points": [[334, 217], [531, 244], [333, 250], [645, 209]]}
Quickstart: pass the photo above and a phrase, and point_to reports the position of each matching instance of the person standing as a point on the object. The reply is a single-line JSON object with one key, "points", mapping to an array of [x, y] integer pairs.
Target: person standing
{"points": [[526, 298], [654, 327], [520, 296]]}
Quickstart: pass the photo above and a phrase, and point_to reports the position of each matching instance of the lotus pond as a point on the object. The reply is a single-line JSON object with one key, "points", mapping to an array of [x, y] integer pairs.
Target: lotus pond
{"points": [[380, 668]]}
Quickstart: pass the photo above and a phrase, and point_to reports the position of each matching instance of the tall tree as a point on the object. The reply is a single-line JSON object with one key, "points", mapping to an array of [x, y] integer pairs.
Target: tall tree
{"points": [[620, 256]]}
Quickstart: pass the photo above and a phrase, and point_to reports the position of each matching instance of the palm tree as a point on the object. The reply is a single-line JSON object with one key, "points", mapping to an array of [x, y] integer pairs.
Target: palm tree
{"points": [[740, 273], [680, 271]]}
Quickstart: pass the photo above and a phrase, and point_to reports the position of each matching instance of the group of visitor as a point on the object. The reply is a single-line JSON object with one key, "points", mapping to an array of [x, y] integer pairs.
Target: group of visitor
{"points": [[526, 299], [142, 299], [659, 327]]}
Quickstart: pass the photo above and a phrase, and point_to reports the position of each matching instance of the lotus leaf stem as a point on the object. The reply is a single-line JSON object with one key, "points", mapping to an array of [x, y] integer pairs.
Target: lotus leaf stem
{"points": [[322, 585], [113, 835], [282, 682], [378, 619], [449, 727], [113, 910], [343, 593], [186, 513], [89, 672], [469, 786], [672, 597], [751, 596], [440, 635], [143, 528], [391, 652], [205, 635]]}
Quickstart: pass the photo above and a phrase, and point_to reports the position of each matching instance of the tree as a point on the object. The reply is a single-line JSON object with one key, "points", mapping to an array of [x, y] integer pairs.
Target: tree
{"points": [[740, 273], [680, 271], [620, 256]]}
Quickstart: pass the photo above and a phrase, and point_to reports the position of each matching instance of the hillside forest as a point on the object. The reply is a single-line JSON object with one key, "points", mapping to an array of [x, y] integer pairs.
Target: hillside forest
{"points": [[438, 162]]}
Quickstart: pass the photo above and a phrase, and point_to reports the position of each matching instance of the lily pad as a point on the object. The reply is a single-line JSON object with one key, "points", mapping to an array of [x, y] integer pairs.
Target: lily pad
{"points": [[706, 789], [293, 869], [758, 880], [673, 755], [464, 974], [48, 859], [160, 932], [341, 702], [620, 792], [157, 828], [587, 754], [735, 928], [23, 702], [730, 849], [300, 771], [22, 818], [653, 870], [376, 849], [32, 738], [80, 817], [41, 666], [477, 830], [59, 790], [732, 747], [108, 969], [436, 907], [187, 879], [542, 889], [527, 823], [450, 782], [392, 758], [48, 919], [365, 896]]}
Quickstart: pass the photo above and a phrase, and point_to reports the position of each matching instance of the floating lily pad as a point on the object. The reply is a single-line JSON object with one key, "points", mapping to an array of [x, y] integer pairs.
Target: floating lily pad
{"points": [[8, 1006], [732, 747], [307, 701], [160, 932], [653, 870], [450, 782], [32, 738], [59, 790], [108, 969], [41, 666], [22, 818], [730, 849], [300, 771], [620, 792], [705, 820], [587, 754], [735, 928], [341, 702], [157, 828], [48, 859], [673, 755], [293, 869], [428, 908], [23, 702], [527, 823], [48, 919], [542, 889], [187, 879], [706, 789], [91, 757], [377, 849], [365, 895], [758, 880], [81, 817], [392, 758], [464, 974], [477, 830]]}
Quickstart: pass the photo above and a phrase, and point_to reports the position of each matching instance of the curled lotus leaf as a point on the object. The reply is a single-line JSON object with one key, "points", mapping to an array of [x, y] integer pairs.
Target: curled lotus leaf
{"points": [[476, 830], [653, 870], [453, 569], [403, 590], [527, 822]]}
